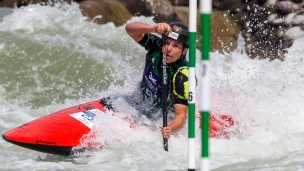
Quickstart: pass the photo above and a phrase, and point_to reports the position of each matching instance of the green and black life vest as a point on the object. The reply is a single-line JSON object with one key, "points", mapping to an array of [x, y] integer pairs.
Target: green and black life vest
{"points": [[151, 84]]}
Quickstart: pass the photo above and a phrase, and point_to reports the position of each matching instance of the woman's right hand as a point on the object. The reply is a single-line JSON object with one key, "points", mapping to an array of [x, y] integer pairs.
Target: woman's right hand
{"points": [[161, 28]]}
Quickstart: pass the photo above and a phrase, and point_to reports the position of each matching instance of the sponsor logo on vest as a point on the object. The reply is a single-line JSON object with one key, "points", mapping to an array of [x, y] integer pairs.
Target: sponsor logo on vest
{"points": [[149, 97], [151, 78]]}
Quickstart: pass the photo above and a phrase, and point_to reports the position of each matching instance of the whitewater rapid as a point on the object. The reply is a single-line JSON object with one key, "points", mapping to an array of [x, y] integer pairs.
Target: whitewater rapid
{"points": [[53, 58]]}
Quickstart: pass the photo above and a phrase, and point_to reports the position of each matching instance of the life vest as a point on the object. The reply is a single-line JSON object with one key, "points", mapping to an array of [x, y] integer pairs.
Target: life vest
{"points": [[151, 84]]}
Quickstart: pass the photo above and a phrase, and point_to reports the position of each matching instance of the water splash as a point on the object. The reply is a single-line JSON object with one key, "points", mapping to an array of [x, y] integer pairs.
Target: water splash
{"points": [[52, 58]]}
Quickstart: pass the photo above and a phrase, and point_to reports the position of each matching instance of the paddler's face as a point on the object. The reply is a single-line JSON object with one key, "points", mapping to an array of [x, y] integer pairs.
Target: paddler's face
{"points": [[174, 50]]}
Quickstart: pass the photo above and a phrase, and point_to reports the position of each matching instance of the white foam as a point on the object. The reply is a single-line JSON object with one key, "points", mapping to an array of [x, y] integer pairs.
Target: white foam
{"points": [[264, 97]]}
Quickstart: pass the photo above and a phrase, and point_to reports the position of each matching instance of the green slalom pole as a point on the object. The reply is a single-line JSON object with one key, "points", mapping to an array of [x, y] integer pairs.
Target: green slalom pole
{"points": [[192, 84], [205, 11]]}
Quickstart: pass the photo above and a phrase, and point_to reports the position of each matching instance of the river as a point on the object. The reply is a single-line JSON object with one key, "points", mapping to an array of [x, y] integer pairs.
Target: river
{"points": [[53, 58]]}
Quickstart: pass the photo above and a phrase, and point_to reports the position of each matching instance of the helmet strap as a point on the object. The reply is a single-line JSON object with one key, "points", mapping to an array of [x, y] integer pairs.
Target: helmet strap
{"points": [[184, 52]]}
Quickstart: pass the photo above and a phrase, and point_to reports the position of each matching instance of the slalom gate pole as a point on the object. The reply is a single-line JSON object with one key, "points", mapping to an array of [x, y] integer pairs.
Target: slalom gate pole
{"points": [[205, 13], [192, 84]]}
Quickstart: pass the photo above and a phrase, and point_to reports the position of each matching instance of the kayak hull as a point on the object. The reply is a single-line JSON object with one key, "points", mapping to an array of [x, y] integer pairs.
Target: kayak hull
{"points": [[59, 132]]}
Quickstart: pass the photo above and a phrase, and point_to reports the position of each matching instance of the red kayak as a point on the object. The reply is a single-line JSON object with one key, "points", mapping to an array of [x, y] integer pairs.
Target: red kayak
{"points": [[220, 125], [59, 132]]}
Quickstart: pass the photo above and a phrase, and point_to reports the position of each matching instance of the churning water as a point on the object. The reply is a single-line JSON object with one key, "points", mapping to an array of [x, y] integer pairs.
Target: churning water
{"points": [[53, 58]]}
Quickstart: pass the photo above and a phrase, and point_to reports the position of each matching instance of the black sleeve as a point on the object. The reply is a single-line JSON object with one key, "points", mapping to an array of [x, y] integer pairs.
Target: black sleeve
{"points": [[150, 42], [180, 87]]}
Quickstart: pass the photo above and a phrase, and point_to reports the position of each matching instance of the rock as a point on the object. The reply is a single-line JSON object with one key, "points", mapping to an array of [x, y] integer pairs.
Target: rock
{"points": [[261, 2], [137, 8], [263, 51], [236, 8], [216, 3], [278, 21], [297, 1], [224, 30], [298, 19], [286, 7], [179, 2], [294, 33], [289, 18], [228, 4], [111, 11], [268, 26], [270, 3], [149, 7], [271, 17], [162, 9]]}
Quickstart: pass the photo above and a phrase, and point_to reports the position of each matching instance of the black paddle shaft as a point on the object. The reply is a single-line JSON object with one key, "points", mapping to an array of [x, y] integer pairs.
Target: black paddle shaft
{"points": [[164, 88]]}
